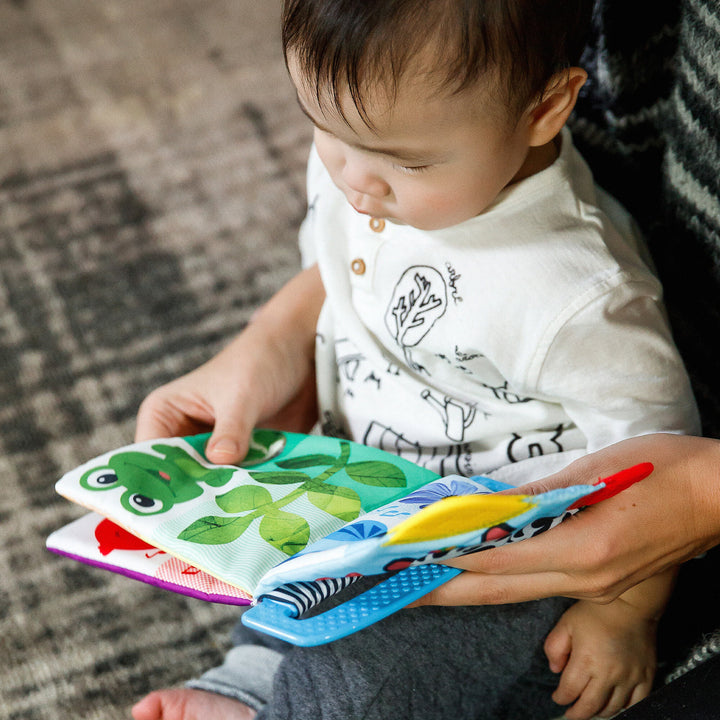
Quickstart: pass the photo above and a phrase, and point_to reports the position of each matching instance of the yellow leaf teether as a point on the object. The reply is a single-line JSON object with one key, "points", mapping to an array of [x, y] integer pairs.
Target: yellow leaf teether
{"points": [[457, 515]]}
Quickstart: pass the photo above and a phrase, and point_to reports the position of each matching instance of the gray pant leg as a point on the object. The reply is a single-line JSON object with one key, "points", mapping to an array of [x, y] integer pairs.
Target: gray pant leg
{"points": [[531, 695], [422, 664], [248, 669]]}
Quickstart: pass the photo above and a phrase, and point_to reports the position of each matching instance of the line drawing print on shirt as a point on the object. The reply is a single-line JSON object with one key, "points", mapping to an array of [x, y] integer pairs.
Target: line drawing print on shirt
{"points": [[503, 392], [348, 359], [453, 458], [454, 277], [455, 414], [521, 448], [419, 299]]}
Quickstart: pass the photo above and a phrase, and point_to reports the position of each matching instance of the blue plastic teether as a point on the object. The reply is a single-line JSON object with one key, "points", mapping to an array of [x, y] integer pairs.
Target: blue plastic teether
{"points": [[279, 619]]}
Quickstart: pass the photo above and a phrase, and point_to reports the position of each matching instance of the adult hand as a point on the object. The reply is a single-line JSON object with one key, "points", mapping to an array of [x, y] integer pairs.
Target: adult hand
{"points": [[265, 377], [661, 521]]}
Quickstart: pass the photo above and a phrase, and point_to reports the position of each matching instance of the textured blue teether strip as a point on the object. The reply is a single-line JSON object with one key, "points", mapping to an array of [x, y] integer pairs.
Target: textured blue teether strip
{"points": [[279, 619]]}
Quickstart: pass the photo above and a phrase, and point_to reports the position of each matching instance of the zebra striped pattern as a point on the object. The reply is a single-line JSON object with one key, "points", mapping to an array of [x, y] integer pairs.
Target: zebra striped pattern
{"points": [[306, 595], [691, 176], [703, 652]]}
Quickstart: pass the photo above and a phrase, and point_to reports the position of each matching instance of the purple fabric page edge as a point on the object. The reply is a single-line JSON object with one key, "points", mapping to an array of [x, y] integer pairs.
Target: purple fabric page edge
{"points": [[148, 579]]}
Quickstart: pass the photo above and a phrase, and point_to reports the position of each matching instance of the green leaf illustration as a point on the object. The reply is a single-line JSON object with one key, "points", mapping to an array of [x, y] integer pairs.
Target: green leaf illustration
{"points": [[376, 473], [275, 477], [266, 438], [243, 498], [340, 502], [253, 456], [285, 531], [306, 461], [264, 444], [188, 469], [212, 530]]}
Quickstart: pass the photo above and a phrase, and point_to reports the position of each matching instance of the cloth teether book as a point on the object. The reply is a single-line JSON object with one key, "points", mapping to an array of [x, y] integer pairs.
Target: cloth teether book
{"points": [[301, 518]]}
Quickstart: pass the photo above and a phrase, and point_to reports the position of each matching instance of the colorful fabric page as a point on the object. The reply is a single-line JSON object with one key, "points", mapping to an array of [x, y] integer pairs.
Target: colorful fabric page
{"points": [[97, 541], [236, 523], [449, 517]]}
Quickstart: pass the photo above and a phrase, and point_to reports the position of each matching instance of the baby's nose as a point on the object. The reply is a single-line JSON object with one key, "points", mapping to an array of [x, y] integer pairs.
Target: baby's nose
{"points": [[360, 178]]}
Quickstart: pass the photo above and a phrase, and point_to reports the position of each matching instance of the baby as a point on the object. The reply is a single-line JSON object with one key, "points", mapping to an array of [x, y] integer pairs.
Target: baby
{"points": [[470, 300]]}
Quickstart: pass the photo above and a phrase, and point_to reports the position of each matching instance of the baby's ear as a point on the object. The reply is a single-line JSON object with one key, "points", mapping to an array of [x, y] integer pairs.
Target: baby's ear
{"points": [[547, 118]]}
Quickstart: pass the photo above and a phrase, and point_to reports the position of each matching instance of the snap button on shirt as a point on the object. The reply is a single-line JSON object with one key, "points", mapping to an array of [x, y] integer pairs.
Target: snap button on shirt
{"points": [[377, 225], [358, 266]]}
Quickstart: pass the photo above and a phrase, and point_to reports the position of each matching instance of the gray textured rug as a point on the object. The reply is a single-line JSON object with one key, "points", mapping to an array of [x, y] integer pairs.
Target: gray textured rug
{"points": [[151, 184]]}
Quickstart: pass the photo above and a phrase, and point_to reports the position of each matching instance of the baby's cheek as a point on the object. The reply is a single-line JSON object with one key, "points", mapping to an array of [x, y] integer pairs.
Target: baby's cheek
{"points": [[330, 157], [440, 210]]}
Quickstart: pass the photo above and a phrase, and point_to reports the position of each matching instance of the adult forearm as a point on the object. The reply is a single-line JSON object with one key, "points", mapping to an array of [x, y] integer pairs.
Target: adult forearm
{"points": [[662, 521]]}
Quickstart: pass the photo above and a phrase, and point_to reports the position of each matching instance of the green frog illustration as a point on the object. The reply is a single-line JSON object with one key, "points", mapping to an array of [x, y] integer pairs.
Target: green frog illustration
{"points": [[154, 484]]}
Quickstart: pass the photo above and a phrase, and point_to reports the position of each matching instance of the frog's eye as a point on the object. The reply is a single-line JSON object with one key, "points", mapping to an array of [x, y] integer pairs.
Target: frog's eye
{"points": [[100, 479], [144, 505]]}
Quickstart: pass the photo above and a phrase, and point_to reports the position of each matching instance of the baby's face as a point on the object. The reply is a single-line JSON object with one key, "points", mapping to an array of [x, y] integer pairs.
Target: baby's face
{"points": [[429, 160]]}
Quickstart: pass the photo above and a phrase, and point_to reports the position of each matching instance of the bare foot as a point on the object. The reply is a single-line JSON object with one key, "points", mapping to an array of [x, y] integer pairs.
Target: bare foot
{"points": [[189, 704]]}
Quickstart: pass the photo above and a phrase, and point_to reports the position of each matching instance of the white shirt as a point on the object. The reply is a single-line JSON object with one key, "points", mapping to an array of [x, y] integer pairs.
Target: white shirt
{"points": [[534, 330]]}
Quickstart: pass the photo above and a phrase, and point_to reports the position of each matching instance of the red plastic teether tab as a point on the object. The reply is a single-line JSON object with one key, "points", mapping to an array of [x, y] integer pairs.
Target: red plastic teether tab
{"points": [[615, 483]]}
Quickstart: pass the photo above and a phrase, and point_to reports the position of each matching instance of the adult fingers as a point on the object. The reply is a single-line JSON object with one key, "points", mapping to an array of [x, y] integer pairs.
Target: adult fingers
{"points": [[568, 549], [230, 438], [529, 575], [588, 469], [165, 414], [478, 589]]}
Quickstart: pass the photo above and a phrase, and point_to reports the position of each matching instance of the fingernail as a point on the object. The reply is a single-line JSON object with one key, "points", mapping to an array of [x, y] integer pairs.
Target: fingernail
{"points": [[224, 446]]}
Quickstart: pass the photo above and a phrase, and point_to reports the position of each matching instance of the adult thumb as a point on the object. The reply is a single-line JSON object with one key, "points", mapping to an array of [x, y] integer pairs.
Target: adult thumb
{"points": [[228, 444], [561, 479]]}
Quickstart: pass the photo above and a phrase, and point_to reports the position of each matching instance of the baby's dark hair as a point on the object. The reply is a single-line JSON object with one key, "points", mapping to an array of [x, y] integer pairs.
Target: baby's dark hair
{"points": [[358, 45]]}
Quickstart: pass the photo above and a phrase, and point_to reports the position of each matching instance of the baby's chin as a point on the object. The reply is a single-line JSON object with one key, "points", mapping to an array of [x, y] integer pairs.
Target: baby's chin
{"points": [[426, 224], [378, 216], [438, 221]]}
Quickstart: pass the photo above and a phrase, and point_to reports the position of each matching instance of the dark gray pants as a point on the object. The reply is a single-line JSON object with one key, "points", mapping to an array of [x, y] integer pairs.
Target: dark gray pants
{"points": [[423, 664]]}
